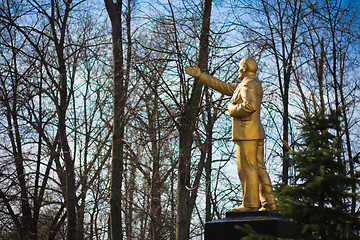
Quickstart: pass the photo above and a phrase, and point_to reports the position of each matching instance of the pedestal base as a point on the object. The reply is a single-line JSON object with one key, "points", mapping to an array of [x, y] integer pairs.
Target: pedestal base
{"points": [[262, 222]]}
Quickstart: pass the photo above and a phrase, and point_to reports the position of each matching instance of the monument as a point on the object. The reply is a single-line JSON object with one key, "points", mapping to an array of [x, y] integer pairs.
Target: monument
{"points": [[247, 133]]}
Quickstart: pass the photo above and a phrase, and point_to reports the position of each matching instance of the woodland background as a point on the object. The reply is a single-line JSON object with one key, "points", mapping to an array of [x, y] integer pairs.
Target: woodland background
{"points": [[102, 132]]}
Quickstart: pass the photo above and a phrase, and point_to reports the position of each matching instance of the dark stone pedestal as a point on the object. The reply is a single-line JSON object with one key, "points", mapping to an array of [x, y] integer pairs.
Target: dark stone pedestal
{"points": [[262, 222]]}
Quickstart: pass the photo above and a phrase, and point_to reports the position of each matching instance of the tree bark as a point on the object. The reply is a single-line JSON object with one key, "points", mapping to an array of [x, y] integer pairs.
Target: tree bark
{"points": [[208, 146], [119, 100], [155, 188]]}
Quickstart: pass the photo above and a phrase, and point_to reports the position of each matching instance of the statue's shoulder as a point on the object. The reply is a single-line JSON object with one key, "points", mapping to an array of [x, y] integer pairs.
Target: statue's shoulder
{"points": [[253, 78], [252, 81]]}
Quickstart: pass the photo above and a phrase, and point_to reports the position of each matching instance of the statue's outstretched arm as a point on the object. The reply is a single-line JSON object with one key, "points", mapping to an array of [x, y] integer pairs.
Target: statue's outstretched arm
{"points": [[210, 81]]}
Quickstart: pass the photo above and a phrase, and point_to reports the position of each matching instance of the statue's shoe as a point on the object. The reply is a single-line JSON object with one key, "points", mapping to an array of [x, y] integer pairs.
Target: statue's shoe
{"points": [[271, 207], [243, 209]]}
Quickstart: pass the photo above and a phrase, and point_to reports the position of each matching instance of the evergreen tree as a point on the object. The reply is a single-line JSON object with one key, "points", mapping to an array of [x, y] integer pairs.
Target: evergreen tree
{"points": [[320, 198]]}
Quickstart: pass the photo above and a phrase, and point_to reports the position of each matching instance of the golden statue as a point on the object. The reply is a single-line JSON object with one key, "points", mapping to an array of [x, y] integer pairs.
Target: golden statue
{"points": [[247, 132]]}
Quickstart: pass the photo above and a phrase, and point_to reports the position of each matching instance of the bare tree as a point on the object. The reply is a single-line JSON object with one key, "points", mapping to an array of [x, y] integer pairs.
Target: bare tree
{"points": [[275, 28], [186, 202], [58, 21], [333, 63], [170, 145], [46, 48], [119, 100]]}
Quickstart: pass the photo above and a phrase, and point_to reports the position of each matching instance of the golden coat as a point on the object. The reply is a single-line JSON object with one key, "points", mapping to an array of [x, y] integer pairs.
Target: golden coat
{"points": [[245, 105]]}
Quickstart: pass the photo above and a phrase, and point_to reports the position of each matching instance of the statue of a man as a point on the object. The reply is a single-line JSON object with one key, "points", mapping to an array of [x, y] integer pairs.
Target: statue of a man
{"points": [[247, 132]]}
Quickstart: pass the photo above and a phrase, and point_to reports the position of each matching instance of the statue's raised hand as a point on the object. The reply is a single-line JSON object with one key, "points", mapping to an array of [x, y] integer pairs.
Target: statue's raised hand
{"points": [[193, 71]]}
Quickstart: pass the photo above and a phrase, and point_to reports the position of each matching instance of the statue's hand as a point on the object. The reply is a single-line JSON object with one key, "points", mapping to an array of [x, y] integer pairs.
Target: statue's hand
{"points": [[193, 71]]}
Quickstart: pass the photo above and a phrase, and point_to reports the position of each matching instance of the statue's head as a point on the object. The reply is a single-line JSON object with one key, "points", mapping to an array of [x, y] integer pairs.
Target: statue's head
{"points": [[247, 66]]}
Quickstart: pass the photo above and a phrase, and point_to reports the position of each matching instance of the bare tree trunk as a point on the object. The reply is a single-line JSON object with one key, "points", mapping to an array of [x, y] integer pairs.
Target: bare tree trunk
{"points": [[285, 137], [173, 198], [348, 146], [23, 224], [155, 187], [130, 185], [208, 145], [71, 200], [38, 162], [119, 100], [186, 128], [347, 129], [129, 209], [336, 84], [320, 73], [284, 58]]}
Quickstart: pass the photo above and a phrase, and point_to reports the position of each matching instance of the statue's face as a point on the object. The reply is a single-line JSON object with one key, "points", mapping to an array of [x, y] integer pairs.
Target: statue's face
{"points": [[242, 70]]}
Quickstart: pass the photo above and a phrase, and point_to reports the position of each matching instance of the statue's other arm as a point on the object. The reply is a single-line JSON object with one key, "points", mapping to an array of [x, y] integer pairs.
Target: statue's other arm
{"points": [[212, 82], [247, 105]]}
